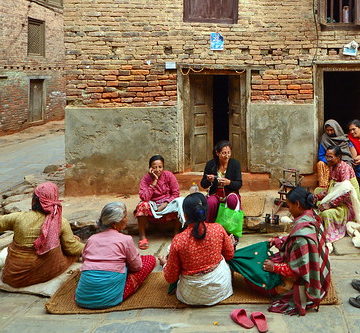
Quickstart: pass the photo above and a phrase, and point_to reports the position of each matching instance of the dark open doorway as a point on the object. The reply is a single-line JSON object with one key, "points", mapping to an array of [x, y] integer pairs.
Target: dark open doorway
{"points": [[342, 96], [221, 108]]}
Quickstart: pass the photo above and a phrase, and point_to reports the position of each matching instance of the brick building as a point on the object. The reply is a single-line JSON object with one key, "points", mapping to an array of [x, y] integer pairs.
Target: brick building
{"points": [[32, 82], [143, 79]]}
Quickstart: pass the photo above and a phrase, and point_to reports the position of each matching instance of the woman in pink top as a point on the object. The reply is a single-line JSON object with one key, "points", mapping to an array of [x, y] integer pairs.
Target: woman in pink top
{"points": [[157, 189], [112, 269]]}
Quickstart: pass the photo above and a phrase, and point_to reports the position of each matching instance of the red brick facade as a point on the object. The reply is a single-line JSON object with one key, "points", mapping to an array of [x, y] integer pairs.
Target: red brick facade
{"points": [[18, 68], [116, 51]]}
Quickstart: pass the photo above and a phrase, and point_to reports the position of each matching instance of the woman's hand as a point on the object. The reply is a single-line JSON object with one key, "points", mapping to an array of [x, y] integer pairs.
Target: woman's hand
{"points": [[268, 265], [234, 241], [324, 206], [162, 260], [153, 175], [162, 206], [210, 178], [357, 160], [224, 181]]}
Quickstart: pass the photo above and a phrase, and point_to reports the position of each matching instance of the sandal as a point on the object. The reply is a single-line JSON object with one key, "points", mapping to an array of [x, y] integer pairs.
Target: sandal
{"points": [[240, 317], [355, 301], [260, 322], [143, 244]]}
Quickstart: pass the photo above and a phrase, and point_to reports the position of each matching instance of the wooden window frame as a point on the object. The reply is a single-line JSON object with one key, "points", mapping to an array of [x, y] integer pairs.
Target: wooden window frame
{"points": [[32, 21], [52, 4], [338, 25], [187, 17]]}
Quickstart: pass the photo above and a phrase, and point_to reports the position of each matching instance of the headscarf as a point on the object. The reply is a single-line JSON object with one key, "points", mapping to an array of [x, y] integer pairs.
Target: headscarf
{"points": [[339, 140], [48, 195]]}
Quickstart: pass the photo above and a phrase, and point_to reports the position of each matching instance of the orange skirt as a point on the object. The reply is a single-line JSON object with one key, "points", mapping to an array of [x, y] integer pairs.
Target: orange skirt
{"points": [[23, 267]]}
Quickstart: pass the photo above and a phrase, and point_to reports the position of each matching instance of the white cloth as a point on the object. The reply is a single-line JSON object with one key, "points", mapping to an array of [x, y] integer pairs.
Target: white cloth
{"points": [[205, 289], [174, 206], [341, 188]]}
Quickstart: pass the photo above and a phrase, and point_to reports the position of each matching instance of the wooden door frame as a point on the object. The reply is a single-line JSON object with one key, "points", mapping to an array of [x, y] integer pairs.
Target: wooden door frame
{"points": [[319, 71], [44, 79], [185, 114]]}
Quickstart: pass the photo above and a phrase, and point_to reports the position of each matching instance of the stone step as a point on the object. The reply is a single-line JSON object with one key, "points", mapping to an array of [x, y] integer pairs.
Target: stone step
{"points": [[251, 181]]}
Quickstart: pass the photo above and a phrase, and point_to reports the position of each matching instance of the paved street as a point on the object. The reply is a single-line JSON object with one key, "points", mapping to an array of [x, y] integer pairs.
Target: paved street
{"points": [[29, 152], [25, 313]]}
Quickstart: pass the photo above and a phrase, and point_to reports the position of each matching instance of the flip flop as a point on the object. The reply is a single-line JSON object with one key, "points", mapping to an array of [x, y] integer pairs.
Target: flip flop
{"points": [[355, 301], [143, 244], [239, 316], [259, 320]]}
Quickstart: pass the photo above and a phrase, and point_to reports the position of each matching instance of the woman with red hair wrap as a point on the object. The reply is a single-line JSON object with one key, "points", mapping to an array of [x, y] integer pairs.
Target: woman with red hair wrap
{"points": [[44, 245]]}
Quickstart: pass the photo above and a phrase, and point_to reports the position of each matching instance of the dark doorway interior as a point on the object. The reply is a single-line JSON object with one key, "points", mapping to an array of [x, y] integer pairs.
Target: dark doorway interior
{"points": [[342, 97], [221, 107]]}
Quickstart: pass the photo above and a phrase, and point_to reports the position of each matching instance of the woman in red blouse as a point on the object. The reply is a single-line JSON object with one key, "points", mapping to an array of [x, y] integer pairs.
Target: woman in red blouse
{"points": [[197, 257], [157, 189]]}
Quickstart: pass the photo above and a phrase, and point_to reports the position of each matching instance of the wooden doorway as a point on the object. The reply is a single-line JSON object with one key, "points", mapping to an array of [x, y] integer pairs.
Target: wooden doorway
{"points": [[215, 110], [36, 100], [338, 94]]}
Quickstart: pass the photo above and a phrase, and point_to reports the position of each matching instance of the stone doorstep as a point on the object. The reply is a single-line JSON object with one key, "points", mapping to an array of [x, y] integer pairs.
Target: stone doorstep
{"points": [[251, 181]]}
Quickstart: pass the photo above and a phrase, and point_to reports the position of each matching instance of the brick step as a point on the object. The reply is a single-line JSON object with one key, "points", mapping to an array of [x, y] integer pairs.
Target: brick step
{"points": [[251, 181]]}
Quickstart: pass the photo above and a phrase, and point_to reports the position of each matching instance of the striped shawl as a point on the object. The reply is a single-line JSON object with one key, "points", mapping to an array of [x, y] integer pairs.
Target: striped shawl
{"points": [[308, 257]]}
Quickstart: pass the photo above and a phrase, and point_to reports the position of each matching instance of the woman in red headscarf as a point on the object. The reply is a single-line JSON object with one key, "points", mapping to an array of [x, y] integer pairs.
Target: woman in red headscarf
{"points": [[44, 245]]}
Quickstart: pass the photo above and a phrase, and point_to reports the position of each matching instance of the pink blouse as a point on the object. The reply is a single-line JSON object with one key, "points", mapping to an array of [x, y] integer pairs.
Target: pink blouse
{"points": [[166, 189], [111, 251]]}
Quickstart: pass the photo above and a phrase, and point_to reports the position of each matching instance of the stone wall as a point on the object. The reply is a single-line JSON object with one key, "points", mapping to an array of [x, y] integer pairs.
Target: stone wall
{"points": [[17, 67], [274, 144], [109, 149], [117, 49]]}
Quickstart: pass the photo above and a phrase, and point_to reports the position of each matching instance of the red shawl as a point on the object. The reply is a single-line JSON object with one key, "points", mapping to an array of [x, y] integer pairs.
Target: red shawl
{"points": [[49, 239], [355, 142]]}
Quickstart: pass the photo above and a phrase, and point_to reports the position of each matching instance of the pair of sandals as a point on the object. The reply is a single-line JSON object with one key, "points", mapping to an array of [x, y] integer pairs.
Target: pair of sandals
{"points": [[143, 244], [355, 301], [257, 319]]}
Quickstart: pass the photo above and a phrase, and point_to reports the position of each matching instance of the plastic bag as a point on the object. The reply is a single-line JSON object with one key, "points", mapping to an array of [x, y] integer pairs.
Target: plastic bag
{"points": [[231, 219]]}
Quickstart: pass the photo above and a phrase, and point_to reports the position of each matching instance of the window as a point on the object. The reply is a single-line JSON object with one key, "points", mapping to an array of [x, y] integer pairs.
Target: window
{"points": [[213, 11], [36, 37], [338, 13], [50, 3]]}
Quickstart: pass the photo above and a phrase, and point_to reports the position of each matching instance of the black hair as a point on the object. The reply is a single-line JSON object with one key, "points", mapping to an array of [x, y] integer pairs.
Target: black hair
{"points": [[355, 122], [156, 158], [36, 205], [336, 149], [195, 210], [218, 147], [305, 198]]}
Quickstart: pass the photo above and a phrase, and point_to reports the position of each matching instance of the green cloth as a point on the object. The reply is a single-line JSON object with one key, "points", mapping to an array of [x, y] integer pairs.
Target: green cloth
{"points": [[249, 260]]}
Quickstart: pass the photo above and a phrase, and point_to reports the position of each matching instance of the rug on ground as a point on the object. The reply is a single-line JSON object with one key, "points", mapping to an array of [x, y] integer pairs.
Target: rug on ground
{"points": [[63, 301]]}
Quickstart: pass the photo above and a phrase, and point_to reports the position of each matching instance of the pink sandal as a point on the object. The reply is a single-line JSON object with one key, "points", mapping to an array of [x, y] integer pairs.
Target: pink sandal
{"points": [[239, 316], [143, 244], [259, 320]]}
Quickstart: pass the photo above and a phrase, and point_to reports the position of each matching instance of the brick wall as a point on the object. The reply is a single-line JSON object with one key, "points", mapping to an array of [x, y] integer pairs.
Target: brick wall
{"points": [[115, 50], [17, 68]]}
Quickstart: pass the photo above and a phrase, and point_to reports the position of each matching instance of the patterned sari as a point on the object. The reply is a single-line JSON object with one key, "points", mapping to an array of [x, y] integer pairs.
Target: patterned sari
{"points": [[342, 206], [305, 252]]}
